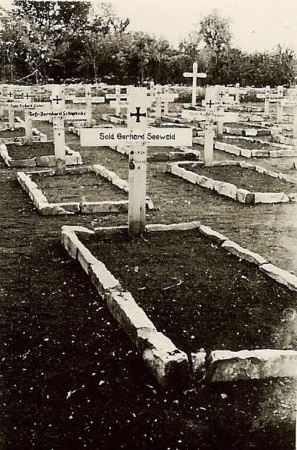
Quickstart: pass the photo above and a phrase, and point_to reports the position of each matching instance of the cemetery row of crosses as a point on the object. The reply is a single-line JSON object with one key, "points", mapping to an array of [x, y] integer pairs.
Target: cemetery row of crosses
{"points": [[217, 141]]}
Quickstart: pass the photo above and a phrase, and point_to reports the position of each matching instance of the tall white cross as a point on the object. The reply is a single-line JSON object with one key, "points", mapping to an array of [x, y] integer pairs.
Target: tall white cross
{"points": [[137, 136], [58, 104], [195, 75]]}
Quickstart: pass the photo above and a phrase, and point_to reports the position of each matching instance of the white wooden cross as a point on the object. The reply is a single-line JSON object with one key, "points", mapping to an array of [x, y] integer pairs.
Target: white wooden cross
{"points": [[211, 108], [89, 111], [195, 75], [214, 113], [266, 99], [137, 136], [58, 105], [118, 99], [161, 95], [8, 96], [2, 102]]}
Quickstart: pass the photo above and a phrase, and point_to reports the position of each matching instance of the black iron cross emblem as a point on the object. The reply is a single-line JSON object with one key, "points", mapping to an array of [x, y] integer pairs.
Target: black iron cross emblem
{"points": [[57, 100], [138, 114], [210, 103]]}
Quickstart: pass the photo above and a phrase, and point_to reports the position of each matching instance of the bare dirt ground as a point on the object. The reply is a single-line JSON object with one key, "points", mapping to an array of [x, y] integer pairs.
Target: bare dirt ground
{"points": [[70, 379]]}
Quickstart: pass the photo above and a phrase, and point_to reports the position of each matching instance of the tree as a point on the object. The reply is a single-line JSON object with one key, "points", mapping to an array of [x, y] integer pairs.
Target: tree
{"points": [[101, 40]]}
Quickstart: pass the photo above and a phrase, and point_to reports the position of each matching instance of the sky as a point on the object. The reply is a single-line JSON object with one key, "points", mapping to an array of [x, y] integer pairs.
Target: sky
{"points": [[255, 24]]}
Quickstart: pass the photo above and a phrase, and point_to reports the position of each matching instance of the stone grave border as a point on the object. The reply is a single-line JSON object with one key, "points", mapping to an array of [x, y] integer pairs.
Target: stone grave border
{"points": [[169, 364], [73, 158], [249, 132], [45, 208], [283, 151], [231, 190]]}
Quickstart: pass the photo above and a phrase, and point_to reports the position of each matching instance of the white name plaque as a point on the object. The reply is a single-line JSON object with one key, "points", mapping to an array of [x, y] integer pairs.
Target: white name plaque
{"points": [[67, 114], [155, 137]]}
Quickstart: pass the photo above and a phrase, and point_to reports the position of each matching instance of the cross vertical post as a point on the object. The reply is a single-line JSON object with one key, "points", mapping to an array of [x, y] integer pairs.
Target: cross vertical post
{"points": [[10, 94], [137, 120], [58, 103], [194, 86], [2, 107], [236, 99], [88, 95], [28, 120], [194, 75], [266, 105], [211, 108]]}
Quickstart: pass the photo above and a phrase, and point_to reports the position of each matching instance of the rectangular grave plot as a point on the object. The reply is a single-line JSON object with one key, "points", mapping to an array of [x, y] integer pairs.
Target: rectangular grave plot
{"points": [[12, 134], [195, 292], [243, 178], [72, 187], [248, 144], [35, 150]]}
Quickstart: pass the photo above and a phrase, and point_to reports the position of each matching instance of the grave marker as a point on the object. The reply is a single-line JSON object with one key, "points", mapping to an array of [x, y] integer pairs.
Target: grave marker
{"points": [[118, 99], [195, 75], [211, 107], [9, 99], [137, 136], [89, 112], [58, 104], [28, 120], [266, 104], [162, 97]]}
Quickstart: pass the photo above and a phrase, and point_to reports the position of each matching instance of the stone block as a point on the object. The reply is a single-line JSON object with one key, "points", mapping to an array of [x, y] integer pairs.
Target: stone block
{"points": [[69, 207], [54, 209], [263, 132], [46, 161], [127, 313], [6, 158], [220, 146], [85, 257], [243, 253], [260, 153], [104, 207], [23, 179], [250, 132], [70, 242], [246, 153], [206, 182], [224, 365], [293, 198], [183, 226], [175, 169], [212, 234], [280, 275], [171, 368], [73, 159], [282, 153], [121, 184], [232, 149], [103, 172], [39, 199], [190, 176], [244, 196], [270, 197], [102, 278], [226, 189], [198, 140]]}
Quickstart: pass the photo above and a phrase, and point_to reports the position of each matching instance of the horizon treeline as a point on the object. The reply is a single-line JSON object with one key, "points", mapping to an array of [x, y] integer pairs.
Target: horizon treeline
{"points": [[58, 41]]}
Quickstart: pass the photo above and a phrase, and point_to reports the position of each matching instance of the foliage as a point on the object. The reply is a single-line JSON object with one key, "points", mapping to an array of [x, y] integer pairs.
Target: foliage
{"points": [[59, 40]]}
